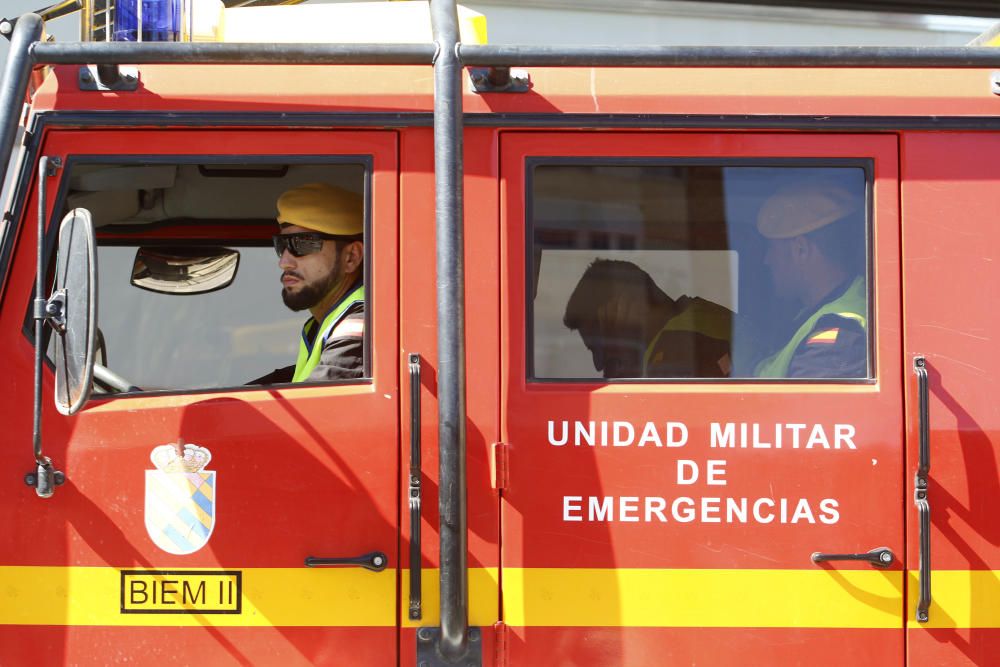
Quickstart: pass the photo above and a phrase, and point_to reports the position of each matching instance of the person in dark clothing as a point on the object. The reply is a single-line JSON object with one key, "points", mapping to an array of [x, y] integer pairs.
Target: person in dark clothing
{"points": [[321, 256], [634, 329]]}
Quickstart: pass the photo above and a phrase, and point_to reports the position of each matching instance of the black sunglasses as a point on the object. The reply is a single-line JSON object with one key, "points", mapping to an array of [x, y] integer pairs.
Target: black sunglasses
{"points": [[305, 243]]}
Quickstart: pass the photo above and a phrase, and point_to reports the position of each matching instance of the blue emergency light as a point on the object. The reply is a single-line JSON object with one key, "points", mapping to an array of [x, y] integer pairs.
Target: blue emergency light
{"points": [[160, 20]]}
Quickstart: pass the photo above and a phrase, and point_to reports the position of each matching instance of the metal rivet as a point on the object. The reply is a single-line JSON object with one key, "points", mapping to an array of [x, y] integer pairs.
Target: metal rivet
{"points": [[424, 634], [886, 557], [474, 634]]}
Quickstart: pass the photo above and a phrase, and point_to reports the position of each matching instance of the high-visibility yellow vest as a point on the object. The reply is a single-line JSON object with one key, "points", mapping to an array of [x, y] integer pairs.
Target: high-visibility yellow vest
{"points": [[702, 317], [852, 304], [308, 357]]}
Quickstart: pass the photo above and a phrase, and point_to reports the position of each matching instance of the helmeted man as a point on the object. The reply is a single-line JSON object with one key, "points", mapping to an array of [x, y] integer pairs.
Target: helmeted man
{"points": [[321, 256], [634, 329], [815, 251]]}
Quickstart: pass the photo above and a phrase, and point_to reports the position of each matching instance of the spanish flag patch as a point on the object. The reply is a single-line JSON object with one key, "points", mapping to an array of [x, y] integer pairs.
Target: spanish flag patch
{"points": [[825, 337]]}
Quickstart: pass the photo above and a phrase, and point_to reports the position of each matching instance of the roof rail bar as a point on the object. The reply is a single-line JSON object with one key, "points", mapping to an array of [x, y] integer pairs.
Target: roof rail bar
{"points": [[477, 55], [59, 9], [147, 53], [483, 55]]}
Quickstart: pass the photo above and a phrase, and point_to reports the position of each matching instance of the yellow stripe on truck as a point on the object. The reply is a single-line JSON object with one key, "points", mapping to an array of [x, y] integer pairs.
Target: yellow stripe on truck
{"points": [[703, 598], [270, 597], [531, 596], [960, 599]]}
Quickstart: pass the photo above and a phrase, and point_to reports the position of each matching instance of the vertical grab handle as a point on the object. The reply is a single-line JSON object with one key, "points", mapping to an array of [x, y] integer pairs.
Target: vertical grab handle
{"points": [[920, 491], [414, 487]]}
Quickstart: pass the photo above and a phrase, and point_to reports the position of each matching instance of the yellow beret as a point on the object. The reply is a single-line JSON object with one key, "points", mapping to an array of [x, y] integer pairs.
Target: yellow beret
{"points": [[800, 208], [322, 208]]}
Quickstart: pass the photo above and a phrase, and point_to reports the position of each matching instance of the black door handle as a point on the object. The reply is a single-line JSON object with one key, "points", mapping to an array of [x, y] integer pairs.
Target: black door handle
{"points": [[880, 557], [414, 491], [374, 561], [920, 491]]}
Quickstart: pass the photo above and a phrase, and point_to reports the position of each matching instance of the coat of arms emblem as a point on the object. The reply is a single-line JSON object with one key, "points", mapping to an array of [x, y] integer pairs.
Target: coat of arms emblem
{"points": [[180, 498]]}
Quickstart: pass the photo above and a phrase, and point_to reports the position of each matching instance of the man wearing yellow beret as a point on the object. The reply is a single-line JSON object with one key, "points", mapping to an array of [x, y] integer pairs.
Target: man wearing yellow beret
{"points": [[815, 252], [321, 255]]}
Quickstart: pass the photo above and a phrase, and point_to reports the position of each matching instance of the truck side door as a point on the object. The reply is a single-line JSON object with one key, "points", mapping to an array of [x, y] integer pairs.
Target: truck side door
{"points": [[665, 499], [142, 553], [949, 271]]}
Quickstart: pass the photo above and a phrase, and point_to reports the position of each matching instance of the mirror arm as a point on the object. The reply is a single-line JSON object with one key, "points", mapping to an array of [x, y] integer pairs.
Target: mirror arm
{"points": [[52, 311], [45, 477]]}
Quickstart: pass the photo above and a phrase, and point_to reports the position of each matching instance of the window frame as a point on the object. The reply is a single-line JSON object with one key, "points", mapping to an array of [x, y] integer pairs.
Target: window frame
{"points": [[365, 160]]}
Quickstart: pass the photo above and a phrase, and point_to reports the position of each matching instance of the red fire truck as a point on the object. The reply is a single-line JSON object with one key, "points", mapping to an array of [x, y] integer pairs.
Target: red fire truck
{"points": [[501, 487]]}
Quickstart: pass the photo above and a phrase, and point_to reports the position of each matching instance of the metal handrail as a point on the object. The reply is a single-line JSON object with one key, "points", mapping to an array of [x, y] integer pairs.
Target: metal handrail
{"points": [[147, 53], [450, 255], [485, 55]]}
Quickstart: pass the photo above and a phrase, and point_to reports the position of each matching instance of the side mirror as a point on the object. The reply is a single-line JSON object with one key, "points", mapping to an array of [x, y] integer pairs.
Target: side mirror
{"points": [[72, 311], [184, 269]]}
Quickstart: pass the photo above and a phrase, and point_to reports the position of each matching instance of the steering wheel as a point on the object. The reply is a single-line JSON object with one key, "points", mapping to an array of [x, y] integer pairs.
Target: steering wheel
{"points": [[114, 382], [104, 376]]}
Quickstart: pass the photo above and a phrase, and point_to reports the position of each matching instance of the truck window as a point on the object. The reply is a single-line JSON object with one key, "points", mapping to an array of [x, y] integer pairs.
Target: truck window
{"points": [[669, 270], [190, 281]]}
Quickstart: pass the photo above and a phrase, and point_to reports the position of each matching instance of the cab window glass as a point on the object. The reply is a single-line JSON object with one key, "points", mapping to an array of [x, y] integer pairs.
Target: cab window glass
{"points": [[704, 271], [192, 291]]}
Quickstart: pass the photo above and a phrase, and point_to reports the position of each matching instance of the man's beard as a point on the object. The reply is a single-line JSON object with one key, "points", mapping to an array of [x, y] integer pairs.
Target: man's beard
{"points": [[311, 294]]}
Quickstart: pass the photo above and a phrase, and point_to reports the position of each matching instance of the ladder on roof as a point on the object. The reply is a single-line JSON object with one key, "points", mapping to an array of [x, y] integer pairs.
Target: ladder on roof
{"points": [[97, 17], [97, 21]]}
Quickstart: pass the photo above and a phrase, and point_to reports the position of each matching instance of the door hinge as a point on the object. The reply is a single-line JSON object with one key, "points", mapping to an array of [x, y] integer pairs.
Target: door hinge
{"points": [[500, 637], [498, 466], [429, 655]]}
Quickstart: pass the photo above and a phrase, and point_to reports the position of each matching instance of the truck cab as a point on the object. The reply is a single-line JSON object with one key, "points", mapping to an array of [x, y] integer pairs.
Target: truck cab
{"points": [[732, 468]]}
